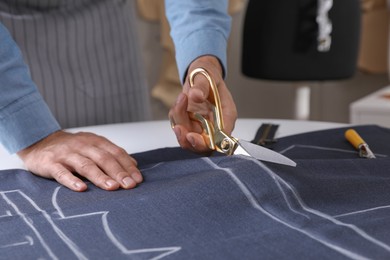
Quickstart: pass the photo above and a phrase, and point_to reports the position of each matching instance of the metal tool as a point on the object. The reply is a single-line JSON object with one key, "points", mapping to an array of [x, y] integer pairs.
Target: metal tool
{"points": [[355, 139], [265, 135], [217, 139]]}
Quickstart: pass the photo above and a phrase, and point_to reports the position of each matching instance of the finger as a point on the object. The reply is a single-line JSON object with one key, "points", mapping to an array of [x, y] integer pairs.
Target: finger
{"points": [[90, 170], [128, 177], [190, 140], [129, 164], [181, 133], [199, 92], [122, 166], [178, 114], [198, 96], [229, 109], [119, 153], [114, 161], [197, 142], [63, 176]]}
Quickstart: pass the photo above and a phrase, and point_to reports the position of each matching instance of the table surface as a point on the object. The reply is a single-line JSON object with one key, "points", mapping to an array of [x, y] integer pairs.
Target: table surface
{"points": [[143, 136]]}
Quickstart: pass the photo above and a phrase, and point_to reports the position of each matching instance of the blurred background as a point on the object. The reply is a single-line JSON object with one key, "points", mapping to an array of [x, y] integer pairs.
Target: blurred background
{"points": [[322, 100]]}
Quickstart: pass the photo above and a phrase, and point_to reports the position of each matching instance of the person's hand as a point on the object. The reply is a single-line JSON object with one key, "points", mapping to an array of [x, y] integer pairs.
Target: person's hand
{"points": [[187, 131], [63, 155]]}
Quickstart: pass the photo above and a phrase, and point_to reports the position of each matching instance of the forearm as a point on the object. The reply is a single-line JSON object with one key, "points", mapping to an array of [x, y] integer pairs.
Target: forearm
{"points": [[24, 116]]}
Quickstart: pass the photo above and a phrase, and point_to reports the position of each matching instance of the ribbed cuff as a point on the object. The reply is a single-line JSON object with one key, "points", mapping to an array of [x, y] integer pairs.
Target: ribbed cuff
{"points": [[209, 42], [25, 122]]}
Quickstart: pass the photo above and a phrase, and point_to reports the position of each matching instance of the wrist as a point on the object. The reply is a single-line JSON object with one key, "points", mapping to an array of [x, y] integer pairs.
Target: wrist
{"points": [[209, 63]]}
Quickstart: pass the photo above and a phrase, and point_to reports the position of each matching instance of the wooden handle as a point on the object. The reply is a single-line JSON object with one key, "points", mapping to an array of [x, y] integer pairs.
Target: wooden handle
{"points": [[354, 138]]}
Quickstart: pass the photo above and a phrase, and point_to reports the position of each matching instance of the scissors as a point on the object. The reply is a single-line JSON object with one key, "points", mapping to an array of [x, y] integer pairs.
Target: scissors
{"points": [[217, 139]]}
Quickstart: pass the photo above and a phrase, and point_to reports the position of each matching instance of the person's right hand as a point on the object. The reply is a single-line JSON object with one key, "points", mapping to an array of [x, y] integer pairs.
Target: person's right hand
{"points": [[61, 156], [195, 99]]}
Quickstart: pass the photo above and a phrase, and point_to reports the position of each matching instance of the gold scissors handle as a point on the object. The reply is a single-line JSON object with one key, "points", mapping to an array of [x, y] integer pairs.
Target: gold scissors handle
{"points": [[213, 134], [213, 96]]}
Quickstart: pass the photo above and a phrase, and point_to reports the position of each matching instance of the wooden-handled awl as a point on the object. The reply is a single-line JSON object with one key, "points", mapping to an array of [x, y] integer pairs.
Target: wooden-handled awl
{"points": [[357, 141]]}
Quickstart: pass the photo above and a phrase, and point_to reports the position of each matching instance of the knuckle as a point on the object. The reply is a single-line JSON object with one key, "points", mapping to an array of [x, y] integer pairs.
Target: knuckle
{"points": [[60, 175], [86, 164], [102, 156], [106, 158], [101, 179], [120, 175], [118, 151]]}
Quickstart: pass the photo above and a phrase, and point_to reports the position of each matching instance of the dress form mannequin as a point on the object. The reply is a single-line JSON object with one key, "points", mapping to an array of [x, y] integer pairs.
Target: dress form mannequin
{"points": [[280, 40]]}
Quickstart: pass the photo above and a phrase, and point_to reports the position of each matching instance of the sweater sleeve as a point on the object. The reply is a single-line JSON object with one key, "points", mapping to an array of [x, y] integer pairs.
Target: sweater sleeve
{"points": [[198, 28], [24, 116]]}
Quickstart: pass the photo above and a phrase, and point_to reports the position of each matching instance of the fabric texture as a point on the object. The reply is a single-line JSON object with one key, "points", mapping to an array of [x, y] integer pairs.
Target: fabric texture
{"points": [[333, 205]]}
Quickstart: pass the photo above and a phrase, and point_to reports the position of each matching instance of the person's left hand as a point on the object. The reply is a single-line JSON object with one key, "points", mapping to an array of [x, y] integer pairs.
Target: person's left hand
{"points": [[61, 155], [194, 99]]}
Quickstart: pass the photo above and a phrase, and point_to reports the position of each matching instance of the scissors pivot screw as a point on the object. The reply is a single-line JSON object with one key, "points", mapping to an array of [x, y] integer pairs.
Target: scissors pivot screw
{"points": [[225, 144]]}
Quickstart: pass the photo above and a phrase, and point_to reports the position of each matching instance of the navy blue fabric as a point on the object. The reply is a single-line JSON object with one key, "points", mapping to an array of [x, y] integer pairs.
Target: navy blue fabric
{"points": [[333, 205]]}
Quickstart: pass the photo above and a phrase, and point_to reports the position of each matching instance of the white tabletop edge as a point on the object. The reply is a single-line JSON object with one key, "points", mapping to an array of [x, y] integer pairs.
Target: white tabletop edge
{"points": [[143, 136]]}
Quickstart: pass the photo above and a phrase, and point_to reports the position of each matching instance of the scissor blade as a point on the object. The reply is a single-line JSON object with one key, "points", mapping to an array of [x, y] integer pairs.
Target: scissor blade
{"points": [[261, 153]]}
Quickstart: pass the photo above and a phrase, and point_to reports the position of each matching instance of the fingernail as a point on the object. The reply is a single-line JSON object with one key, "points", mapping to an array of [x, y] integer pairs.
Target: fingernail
{"points": [[177, 132], [110, 183], [192, 141], [172, 121], [137, 177], [78, 185], [128, 182]]}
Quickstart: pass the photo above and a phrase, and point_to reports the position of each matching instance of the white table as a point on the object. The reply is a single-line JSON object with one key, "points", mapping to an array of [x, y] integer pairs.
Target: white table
{"points": [[143, 136], [372, 109]]}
